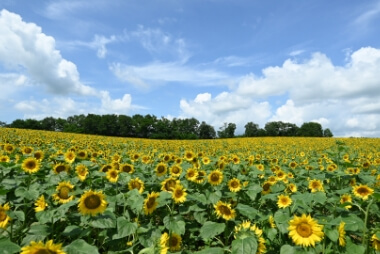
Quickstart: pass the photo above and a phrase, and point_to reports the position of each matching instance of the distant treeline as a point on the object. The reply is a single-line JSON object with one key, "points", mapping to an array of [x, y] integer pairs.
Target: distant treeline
{"points": [[149, 126]]}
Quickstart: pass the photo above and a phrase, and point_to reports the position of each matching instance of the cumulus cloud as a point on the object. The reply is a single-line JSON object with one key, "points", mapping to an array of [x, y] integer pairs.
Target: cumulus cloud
{"points": [[342, 98], [117, 106], [25, 45]]}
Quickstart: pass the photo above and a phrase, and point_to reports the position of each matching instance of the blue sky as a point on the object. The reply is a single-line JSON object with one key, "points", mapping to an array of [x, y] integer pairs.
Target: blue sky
{"points": [[215, 60]]}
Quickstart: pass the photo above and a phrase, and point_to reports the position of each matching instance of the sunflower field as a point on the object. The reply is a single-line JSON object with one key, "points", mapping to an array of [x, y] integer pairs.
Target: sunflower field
{"points": [[73, 193]]}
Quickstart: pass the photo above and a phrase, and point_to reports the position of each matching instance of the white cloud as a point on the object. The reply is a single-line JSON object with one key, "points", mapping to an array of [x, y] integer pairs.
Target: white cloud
{"points": [[157, 73], [342, 98], [25, 45], [116, 106]]}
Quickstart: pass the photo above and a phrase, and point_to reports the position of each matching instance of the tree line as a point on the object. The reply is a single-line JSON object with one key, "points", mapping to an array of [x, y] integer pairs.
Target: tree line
{"points": [[149, 126]]}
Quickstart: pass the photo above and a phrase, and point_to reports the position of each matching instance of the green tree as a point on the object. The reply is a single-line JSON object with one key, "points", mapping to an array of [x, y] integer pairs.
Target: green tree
{"points": [[206, 131], [251, 129], [311, 129], [227, 130], [327, 133], [48, 124]]}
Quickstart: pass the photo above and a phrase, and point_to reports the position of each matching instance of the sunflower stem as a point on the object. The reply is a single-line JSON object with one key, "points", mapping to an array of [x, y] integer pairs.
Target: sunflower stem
{"points": [[365, 229]]}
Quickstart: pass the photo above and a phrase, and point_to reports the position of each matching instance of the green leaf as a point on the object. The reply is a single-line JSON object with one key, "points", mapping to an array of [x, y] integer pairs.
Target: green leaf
{"points": [[41, 230], [199, 198], [287, 249], [81, 247], [72, 231], [211, 229], [124, 228], [246, 245], [272, 233], [333, 234], [352, 248], [174, 224], [135, 201], [247, 211], [164, 198], [20, 192], [320, 197], [8, 247], [214, 250], [19, 215], [214, 197], [103, 223], [149, 250], [200, 217]]}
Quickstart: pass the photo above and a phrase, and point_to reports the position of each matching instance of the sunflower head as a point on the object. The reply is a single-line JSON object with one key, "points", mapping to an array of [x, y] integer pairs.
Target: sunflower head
{"points": [[215, 177], [224, 210], [316, 185], [136, 184], [61, 167], [161, 169], [39, 155], [176, 170], [63, 192], [175, 242], [305, 231], [169, 184], [92, 203], [70, 156], [191, 174], [362, 191], [127, 168], [234, 185], [179, 194], [283, 201], [4, 218], [150, 203], [31, 165], [82, 172], [40, 204], [112, 175], [41, 248]]}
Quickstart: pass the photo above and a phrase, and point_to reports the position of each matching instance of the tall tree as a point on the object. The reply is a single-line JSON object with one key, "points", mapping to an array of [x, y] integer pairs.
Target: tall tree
{"points": [[327, 133], [206, 131], [251, 129], [311, 129]]}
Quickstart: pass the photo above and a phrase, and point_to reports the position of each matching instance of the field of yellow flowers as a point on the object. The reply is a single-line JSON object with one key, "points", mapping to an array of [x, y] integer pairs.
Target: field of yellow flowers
{"points": [[71, 193]]}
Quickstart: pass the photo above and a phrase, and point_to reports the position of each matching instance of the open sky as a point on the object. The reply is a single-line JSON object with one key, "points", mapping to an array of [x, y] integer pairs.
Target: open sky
{"points": [[216, 60]]}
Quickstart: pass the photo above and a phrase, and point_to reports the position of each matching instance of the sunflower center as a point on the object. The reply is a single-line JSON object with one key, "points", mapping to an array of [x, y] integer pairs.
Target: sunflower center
{"points": [[151, 202], [31, 164], [64, 192], [173, 241], [45, 251], [215, 177], [315, 185], [304, 230], [136, 185], [266, 187], [113, 174], [127, 169], [169, 185], [60, 168], [225, 210], [362, 191], [92, 202], [191, 174], [3, 216], [234, 184], [106, 168], [178, 193], [37, 156], [160, 169], [175, 170]]}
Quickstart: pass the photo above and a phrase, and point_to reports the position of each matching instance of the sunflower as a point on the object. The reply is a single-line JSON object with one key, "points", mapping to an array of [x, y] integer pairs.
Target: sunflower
{"points": [[61, 167], [189, 155], [145, 159], [224, 210], [215, 177], [40, 204], [375, 242], [292, 187], [266, 187], [82, 172], [271, 221], [293, 165], [112, 175], [175, 242], [4, 158], [201, 177], [315, 185], [136, 184], [31, 165], [260, 167], [127, 168], [70, 156], [346, 198], [82, 155], [283, 201], [39, 155], [105, 168], [281, 175], [169, 183], [176, 170], [362, 191], [305, 230], [245, 229], [163, 243], [161, 169], [234, 185], [40, 247], [150, 203], [9, 148], [206, 160], [342, 234], [191, 174], [92, 202], [63, 190], [26, 150], [179, 194], [4, 218]]}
